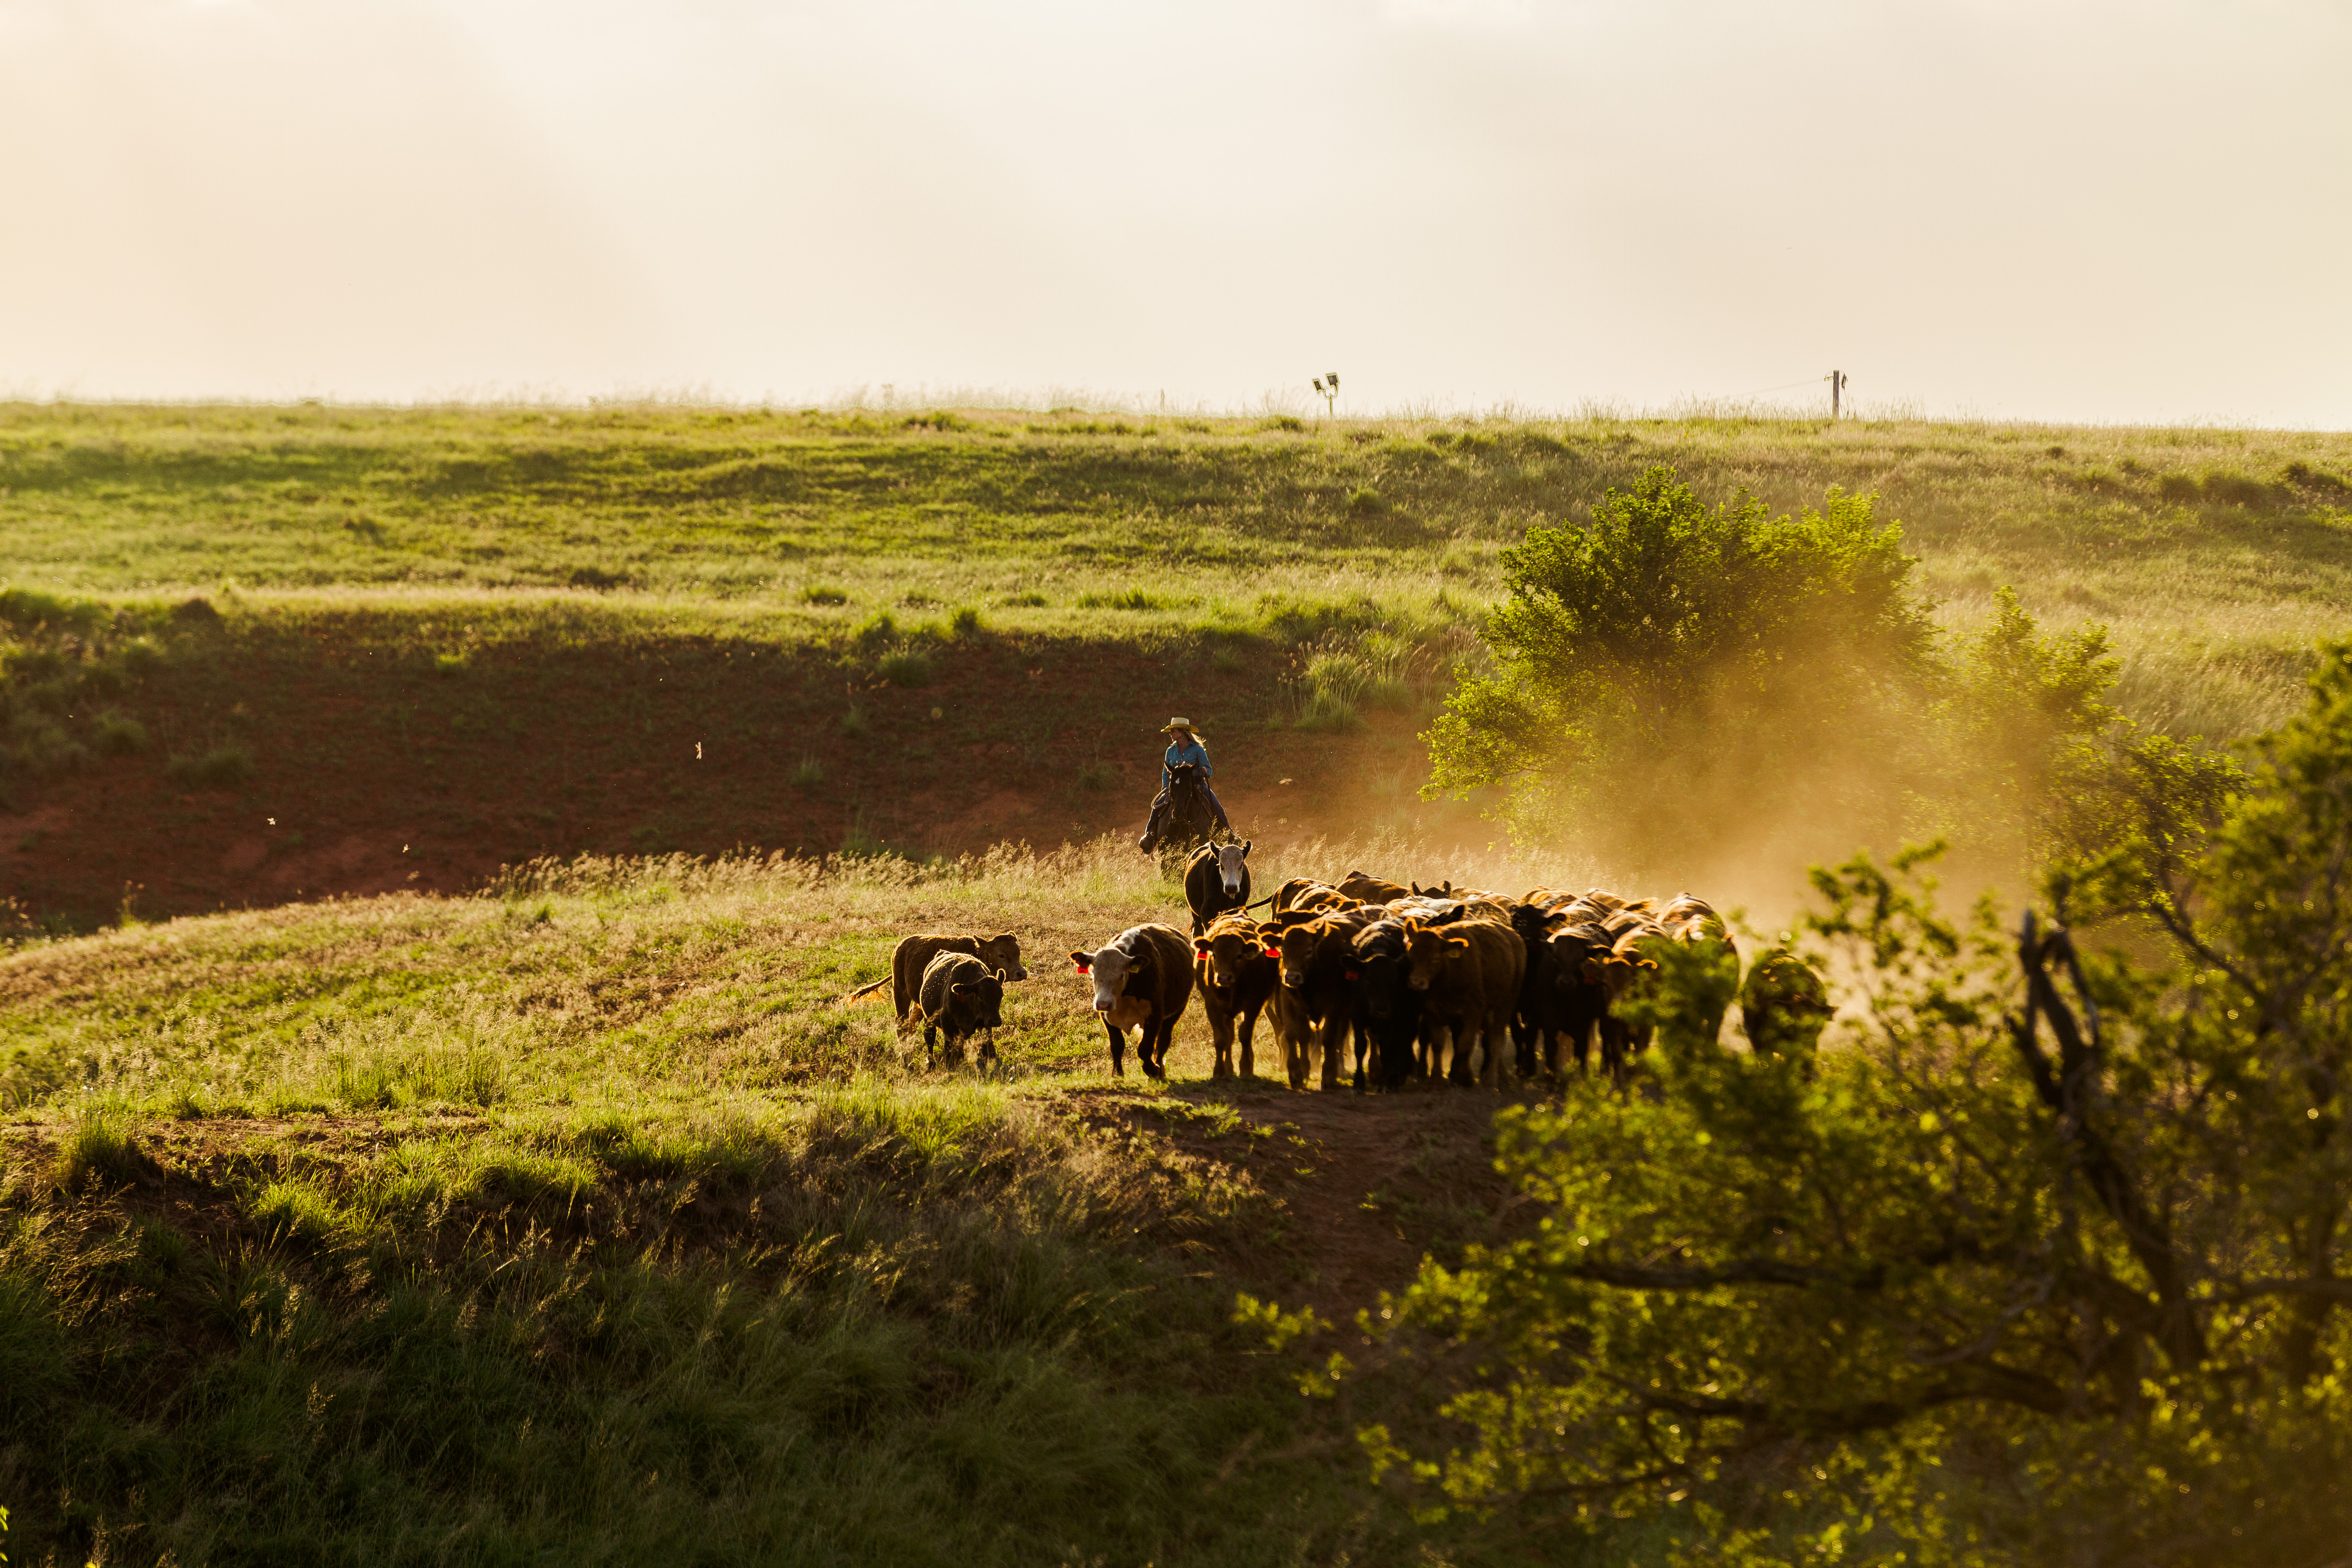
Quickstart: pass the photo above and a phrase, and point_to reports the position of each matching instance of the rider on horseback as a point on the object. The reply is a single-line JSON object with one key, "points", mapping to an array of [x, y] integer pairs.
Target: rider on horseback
{"points": [[1186, 746]]}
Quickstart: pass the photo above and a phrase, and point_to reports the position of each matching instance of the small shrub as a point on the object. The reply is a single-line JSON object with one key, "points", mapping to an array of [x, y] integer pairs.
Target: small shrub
{"points": [[853, 723], [196, 611], [964, 623], [1225, 659], [1330, 713], [916, 599], [808, 773], [450, 664], [879, 629], [2236, 489], [825, 594], [905, 668], [1132, 599], [98, 1150], [1031, 601], [1098, 776], [1366, 503], [938, 419], [596, 577], [2179, 488], [118, 735], [222, 767], [1282, 422]]}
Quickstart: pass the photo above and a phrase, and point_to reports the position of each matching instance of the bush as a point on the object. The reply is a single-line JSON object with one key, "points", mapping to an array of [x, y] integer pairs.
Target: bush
{"points": [[907, 668], [118, 735], [2180, 489], [1127, 599], [2236, 489], [825, 594], [222, 767], [98, 1150], [808, 773], [853, 723], [1096, 776], [879, 630], [1329, 712], [964, 623], [451, 664], [1717, 645], [1366, 503], [597, 578], [1027, 601]]}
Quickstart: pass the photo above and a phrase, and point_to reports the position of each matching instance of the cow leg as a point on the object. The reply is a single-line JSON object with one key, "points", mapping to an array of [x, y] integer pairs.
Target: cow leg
{"points": [[1152, 1050], [1118, 1048], [1221, 1036], [1466, 1041], [1249, 1044], [930, 1046]]}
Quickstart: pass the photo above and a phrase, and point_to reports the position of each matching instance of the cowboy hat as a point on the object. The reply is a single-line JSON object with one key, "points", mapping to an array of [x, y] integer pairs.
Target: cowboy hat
{"points": [[1186, 725]]}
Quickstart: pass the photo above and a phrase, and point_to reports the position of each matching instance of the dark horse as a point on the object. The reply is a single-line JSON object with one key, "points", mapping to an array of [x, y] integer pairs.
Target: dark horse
{"points": [[1192, 820]]}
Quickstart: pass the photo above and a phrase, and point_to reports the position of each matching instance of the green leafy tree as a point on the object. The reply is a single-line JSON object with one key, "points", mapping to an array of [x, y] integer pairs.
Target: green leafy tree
{"points": [[2040, 1261], [1719, 645]]}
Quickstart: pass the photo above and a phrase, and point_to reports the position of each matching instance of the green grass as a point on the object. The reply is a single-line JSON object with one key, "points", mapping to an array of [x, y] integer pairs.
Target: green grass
{"points": [[2217, 555]]}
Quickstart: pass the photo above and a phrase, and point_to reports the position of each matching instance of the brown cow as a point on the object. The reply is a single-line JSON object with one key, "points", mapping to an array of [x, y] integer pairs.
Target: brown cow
{"points": [[1143, 977], [914, 955], [1312, 1005], [1372, 890], [1304, 893], [1468, 971], [1236, 977]]}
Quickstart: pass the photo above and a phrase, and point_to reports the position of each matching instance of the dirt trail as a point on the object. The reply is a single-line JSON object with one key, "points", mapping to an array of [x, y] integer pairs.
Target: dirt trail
{"points": [[1366, 1184]]}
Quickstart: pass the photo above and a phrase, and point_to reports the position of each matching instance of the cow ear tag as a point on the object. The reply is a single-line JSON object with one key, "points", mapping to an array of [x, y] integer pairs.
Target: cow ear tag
{"points": [[1274, 953], [1351, 974]]}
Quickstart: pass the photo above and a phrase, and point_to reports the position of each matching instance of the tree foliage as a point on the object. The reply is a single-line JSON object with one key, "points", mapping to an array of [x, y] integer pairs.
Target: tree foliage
{"points": [[1676, 672], [2048, 1264]]}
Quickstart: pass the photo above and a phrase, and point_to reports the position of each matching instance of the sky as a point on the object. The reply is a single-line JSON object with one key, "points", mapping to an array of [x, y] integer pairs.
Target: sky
{"points": [[2006, 209]]}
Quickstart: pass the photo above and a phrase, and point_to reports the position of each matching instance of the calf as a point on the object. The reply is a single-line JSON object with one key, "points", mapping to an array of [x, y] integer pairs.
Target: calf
{"points": [[1143, 977], [1236, 977], [1468, 972], [1216, 881], [960, 997], [1311, 1006], [913, 959]]}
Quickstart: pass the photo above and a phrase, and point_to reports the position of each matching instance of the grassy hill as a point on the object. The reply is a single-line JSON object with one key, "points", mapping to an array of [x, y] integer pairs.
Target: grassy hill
{"points": [[487, 634]]}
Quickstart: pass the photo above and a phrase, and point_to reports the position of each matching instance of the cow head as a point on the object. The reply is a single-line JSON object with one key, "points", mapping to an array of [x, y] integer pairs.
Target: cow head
{"points": [[1110, 966], [1231, 869], [984, 999], [1617, 970], [1292, 939], [1427, 946], [1003, 952], [1377, 965], [1232, 945]]}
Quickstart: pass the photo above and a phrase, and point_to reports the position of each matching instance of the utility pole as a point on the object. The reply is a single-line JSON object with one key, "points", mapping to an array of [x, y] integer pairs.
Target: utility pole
{"points": [[1837, 385], [1328, 384]]}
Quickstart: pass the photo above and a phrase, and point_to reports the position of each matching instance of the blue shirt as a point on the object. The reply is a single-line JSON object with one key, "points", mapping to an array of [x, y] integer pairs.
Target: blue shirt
{"points": [[1185, 750]]}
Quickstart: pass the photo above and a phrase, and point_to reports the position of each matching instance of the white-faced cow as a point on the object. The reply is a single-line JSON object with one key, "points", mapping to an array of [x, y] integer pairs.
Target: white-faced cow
{"points": [[1216, 880], [1143, 977]]}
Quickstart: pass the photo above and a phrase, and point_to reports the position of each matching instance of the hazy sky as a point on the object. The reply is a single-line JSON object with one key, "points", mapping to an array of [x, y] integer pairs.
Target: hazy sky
{"points": [[2089, 211]]}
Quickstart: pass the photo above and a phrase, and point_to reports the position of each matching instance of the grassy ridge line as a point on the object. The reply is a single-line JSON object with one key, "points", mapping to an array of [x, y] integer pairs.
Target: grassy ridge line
{"points": [[2217, 555]]}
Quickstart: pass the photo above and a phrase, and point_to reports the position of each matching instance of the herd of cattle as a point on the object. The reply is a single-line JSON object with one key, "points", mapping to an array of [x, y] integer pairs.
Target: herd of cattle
{"points": [[1444, 983]]}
